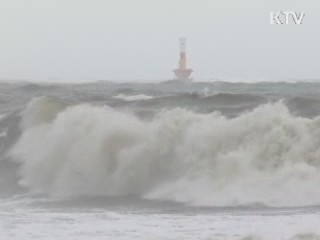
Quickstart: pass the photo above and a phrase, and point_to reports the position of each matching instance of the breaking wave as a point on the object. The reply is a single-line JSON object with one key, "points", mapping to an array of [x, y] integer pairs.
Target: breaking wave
{"points": [[267, 156]]}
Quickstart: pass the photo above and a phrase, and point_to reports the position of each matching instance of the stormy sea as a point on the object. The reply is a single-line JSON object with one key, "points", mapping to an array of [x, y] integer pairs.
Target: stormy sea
{"points": [[169, 160]]}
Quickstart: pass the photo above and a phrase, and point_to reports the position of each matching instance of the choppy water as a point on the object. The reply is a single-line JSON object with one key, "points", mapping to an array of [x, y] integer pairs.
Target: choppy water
{"points": [[160, 161]]}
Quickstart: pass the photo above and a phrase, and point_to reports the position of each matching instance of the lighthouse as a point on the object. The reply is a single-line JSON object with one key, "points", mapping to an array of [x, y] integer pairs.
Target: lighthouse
{"points": [[182, 72]]}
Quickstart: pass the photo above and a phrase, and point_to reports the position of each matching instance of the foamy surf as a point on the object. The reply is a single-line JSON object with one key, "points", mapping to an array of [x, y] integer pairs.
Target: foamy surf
{"points": [[22, 222], [266, 156]]}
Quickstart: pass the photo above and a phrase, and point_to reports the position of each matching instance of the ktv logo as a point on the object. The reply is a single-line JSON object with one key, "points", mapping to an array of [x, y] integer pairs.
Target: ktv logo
{"points": [[288, 17]]}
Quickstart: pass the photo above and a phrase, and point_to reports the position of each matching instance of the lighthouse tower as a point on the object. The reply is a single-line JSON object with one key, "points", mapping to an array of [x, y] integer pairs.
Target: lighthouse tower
{"points": [[183, 73]]}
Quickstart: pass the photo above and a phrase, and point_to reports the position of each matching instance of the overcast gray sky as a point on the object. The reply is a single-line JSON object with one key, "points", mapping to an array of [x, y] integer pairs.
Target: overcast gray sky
{"points": [[88, 40]]}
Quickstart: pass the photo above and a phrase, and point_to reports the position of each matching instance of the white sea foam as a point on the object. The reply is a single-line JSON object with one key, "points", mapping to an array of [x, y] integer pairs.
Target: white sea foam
{"points": [[266, 156], [133, 97]]}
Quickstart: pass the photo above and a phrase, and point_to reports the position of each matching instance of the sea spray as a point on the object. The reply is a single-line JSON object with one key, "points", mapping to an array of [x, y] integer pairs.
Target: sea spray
{"points": [[267, 156]]}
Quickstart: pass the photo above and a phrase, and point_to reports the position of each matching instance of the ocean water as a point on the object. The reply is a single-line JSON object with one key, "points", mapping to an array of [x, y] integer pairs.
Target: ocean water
{"points": [[160, 161]]}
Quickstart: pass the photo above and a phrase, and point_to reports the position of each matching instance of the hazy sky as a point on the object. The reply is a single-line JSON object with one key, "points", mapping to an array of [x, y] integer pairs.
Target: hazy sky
{"points": [[88, 40]]}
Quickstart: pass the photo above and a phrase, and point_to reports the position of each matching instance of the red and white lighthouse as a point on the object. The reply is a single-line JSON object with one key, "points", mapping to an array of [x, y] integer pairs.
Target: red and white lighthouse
{"points": [[183, 73]]}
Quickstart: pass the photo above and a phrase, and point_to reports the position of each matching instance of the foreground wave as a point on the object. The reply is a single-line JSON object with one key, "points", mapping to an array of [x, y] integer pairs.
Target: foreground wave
{"points": [[266, 156]]}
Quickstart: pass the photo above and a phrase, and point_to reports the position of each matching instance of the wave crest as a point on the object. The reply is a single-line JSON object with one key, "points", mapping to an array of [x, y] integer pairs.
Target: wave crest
{"points": [[266, 156]]}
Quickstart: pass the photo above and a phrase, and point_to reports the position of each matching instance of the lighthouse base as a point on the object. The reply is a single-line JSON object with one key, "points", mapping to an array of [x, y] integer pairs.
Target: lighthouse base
{"points": [[183, 74]]}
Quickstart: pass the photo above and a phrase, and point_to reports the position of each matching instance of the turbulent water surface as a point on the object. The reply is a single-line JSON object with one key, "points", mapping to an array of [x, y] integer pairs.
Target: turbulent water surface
{"points": [[160, 161]]}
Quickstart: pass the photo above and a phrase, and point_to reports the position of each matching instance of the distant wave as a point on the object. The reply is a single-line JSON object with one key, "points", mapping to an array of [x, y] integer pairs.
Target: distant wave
{"points": [[267, 156], [217, 99], [307, 236], [227, 103], [133, 97], [305, 106]]}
